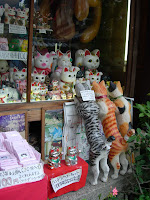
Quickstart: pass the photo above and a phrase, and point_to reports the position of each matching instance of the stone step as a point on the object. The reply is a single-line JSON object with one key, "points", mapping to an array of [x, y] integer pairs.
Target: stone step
{"points": [[90, 192]]}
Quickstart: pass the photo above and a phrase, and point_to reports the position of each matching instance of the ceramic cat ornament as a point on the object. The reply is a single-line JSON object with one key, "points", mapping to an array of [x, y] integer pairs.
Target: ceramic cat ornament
{"points": [[99, 145], [107, 115], [68, 79], [54, 160], [64, 60], [43, 62]]}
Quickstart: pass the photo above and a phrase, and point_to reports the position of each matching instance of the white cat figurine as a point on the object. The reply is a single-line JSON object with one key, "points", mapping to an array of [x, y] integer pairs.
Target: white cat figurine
{"points": [[79, 56], [43, 62], [22, 16], [38, 77], [19, 74], [9, 14], [95, 77], [1, 11], [64, 60], [68, 78], [3, 95], [4, 70]]}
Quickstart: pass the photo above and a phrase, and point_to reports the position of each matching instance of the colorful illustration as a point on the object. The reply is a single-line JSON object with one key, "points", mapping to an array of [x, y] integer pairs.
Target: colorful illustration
{"points": [[14, 122], [53, 129]]}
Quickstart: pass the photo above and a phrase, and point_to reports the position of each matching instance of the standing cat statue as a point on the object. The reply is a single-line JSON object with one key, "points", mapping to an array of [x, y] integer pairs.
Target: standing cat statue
{"points": [[107, 115], [123, 111], [22, 16], [71, 158], [95, 77], [64, 60], [99, 145]]}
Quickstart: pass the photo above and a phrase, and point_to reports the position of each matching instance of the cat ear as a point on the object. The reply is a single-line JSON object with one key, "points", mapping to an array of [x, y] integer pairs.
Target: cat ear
{"points": [[24, 70], [87, 52], [35, 72], [98, 74], [66, 69], [74, 147], [38, 55], [14, 8], [1, 6], [59, 53], [69, 53], [15, 69], [47, 55], [118, 84], [90, 74], [18, 9], [69, 147], [96, 52], [43, 72]]}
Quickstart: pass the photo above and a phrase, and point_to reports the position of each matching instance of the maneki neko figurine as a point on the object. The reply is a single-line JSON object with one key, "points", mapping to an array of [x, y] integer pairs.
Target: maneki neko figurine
{"points": [[43, 62], [68, 79], [22, 16], [9, 13], [64, 60], [35, 92], [55, 157], [4, 71], [71, 158], [2, 9]]}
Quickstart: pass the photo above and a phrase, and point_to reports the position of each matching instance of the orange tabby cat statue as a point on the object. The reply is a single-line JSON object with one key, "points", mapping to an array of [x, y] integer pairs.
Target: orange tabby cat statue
{"points": [[123, 111], [107, 115]]}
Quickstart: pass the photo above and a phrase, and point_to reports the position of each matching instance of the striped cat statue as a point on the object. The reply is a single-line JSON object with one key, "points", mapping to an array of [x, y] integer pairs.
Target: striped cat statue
{"points": [[99, 145], [107, 115]]}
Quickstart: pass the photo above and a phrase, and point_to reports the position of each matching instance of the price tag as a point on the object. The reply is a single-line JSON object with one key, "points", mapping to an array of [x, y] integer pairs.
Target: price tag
{"points": [[17, 29], [42, 31], [1, 28], [66, 179], [88, 95]]}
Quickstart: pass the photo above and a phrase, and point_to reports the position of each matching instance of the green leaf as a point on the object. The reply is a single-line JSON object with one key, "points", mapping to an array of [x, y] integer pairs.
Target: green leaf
{"points": [[148, 104], [148, 148], [141, 115], [99, 196], [132, 138]]}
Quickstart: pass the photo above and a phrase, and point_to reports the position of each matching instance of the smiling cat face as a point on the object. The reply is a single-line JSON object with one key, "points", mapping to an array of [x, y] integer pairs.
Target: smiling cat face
{"points": [[20, 74]]}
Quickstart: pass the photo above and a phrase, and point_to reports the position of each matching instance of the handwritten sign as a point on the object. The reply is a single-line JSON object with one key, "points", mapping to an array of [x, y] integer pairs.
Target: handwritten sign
{"points": [[66, 179], [17, 29], [13, 55], [1, 28], [21, 175], [87, 95]]}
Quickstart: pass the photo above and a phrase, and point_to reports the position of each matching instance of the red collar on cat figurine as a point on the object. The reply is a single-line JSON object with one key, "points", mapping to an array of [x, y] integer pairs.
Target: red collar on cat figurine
{"points": [[47, 70], [101, 97]]}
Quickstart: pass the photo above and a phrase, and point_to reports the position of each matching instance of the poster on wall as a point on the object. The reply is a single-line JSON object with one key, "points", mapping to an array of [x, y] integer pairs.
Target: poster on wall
{"points": [[53, 129], [14, 122], [74, 131]]}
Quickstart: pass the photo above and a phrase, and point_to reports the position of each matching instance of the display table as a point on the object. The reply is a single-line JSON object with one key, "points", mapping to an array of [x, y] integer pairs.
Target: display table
{"points": [[65, 170], [28, 191]]}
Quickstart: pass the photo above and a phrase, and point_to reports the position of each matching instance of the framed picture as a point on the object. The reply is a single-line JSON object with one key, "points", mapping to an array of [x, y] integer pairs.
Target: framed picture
{"points": [[52, 129], [14, 121]]}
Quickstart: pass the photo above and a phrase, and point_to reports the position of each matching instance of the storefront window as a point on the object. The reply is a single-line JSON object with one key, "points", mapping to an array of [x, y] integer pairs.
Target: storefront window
{"points": [[13, 51]]}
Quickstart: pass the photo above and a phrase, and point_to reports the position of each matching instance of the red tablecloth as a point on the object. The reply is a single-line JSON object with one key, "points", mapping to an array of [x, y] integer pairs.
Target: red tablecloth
{"points": [[28, 191], [64, 170]]}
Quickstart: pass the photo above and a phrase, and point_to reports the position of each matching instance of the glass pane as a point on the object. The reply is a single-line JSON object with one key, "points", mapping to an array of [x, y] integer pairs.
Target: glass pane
{"points": [[76, 39], [13, 50]]}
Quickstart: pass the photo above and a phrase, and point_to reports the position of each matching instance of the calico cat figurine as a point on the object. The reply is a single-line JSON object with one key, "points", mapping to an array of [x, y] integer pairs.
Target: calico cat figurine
{"points": [[107, 115], [99, 145], [123, 111]]}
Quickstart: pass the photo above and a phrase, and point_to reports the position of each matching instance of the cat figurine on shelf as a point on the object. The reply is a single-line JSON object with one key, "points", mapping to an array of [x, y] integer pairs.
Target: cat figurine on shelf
{"points": [[38, 77], [22, 16], [9, 13], [64, 60], [4, 44], [43, 62], [16, 74], [2, 9], [95, 77], [71, 158], [54, 160], [123, 111], [68, 79], [3, 95], [4, 70], [107, 115], [99, 145]]}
